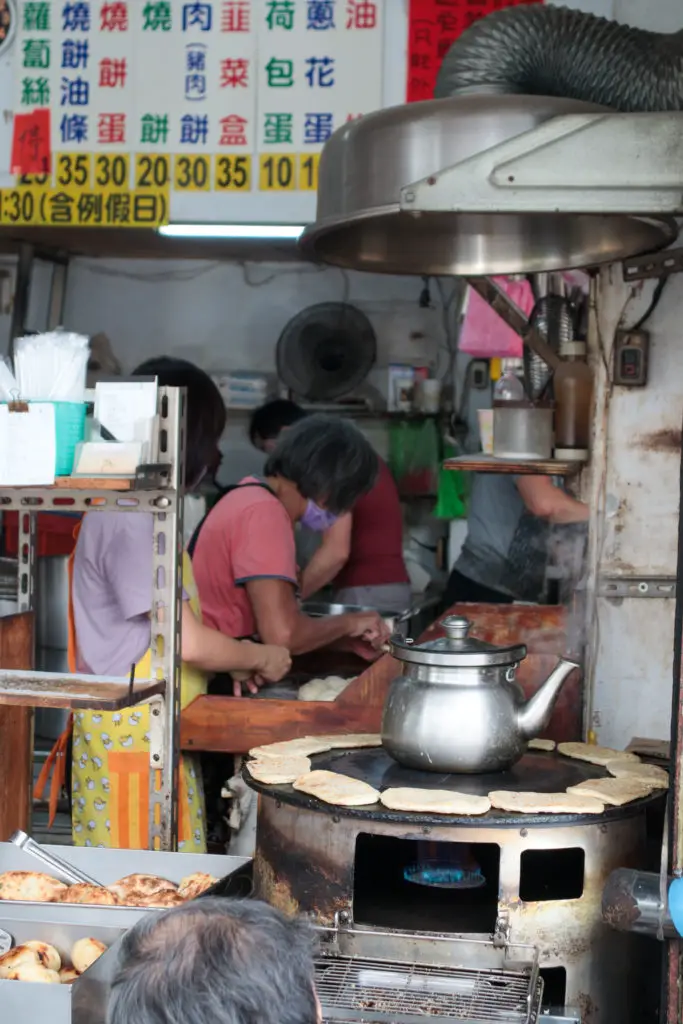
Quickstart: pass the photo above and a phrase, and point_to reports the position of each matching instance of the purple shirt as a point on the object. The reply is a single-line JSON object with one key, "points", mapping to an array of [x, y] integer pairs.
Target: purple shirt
{"points": [[112, 591]]}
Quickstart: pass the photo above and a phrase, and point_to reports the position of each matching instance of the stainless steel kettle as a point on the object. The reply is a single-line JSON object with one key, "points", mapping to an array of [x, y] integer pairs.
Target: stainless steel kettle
{"points": [[457, 707]]}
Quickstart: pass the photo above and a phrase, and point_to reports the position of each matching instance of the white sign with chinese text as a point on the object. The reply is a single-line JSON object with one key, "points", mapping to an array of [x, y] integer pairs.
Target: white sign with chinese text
{"points": [[229, 97]]}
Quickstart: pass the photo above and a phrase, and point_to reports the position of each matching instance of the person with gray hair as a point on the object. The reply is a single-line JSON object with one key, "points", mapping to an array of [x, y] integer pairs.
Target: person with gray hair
{"points": [[216, 961], [244, 556]]}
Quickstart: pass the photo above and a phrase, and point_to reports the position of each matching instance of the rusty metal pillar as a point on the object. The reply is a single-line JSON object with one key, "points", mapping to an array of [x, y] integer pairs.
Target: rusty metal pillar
{"points": [[673, 1003]]}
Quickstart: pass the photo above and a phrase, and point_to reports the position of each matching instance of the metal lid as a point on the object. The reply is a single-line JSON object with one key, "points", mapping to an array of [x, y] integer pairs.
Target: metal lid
{"points": [[457, 649]]}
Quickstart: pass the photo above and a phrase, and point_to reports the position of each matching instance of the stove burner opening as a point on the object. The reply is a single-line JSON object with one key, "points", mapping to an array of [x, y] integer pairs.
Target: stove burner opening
{"points": [[551, 875], [421, 886], [454, 867]]}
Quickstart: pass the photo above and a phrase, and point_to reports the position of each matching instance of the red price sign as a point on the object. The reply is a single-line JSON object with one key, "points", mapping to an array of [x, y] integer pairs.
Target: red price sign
{"points": [[434, 25], [31, 143]]}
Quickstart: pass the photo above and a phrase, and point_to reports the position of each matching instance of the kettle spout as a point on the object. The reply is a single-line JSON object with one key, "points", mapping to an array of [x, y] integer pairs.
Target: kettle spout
{"points": [[533, 717]]}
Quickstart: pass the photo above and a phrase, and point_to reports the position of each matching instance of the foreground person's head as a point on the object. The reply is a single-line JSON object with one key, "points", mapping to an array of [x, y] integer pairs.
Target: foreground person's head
{"points": [[216, 961], [269, 420], [322, 466], [205, 412]]}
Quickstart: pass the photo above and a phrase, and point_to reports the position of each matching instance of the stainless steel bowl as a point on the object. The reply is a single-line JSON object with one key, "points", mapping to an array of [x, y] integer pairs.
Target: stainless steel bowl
{"points": [[321, 610]]}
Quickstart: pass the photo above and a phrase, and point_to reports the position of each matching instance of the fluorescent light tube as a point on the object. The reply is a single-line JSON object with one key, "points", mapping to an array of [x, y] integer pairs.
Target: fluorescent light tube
{"points": [[269, 231]]}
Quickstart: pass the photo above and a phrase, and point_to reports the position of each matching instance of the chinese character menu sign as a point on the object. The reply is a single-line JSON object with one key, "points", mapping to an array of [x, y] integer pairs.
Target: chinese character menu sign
{"points": [[433, 26], [148, 97]]}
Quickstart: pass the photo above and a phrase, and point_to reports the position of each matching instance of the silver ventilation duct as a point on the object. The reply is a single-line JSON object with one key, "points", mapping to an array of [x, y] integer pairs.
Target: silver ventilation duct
{"points": [[556, 51], [508, 74]]}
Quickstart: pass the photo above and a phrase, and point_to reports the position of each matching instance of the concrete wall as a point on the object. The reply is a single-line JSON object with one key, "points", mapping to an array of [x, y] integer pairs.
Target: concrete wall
{"points": [[230, 316]]}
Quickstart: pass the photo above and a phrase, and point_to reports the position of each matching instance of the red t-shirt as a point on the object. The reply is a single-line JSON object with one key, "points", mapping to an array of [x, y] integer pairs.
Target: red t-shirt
{"points": [[246, 536], [376, 538]]}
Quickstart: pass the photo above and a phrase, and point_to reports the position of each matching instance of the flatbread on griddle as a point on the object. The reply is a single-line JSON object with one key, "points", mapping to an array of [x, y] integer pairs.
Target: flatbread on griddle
{"points": [[547, 745], [650, 774], [302, 747], [352, 740], [612, 791], [279, 771], [434, 801], [593, 754], [545, 803], [333, 788]]}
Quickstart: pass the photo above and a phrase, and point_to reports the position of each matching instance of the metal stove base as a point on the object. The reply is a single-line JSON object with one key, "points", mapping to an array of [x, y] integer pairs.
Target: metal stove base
{"points": [[310, 859]]}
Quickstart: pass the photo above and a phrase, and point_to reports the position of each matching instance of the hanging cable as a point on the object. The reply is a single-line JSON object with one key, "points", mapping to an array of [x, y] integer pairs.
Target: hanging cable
{"points": [[654, 302]]}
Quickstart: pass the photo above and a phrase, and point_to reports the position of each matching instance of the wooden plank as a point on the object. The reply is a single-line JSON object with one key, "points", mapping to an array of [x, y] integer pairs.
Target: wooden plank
{"points": [[16, 731], [233, 724], [50, 690], [520, 467], [95, 483]]}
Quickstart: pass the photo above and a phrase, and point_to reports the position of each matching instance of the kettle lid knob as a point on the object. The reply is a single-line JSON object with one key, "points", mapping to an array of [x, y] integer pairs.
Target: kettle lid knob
{"points": [[456, 627]]}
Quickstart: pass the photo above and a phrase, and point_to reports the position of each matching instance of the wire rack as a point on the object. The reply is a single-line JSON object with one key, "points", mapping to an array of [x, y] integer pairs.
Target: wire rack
{"points": [[353, 989]]}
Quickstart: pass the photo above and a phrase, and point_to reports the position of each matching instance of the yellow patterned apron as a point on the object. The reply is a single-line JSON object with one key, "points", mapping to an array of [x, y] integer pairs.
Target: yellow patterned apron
{"points": [[110, 763]]}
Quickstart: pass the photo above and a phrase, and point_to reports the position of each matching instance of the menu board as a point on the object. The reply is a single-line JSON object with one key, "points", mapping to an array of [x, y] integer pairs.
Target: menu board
{"points": [[434, 25], [150, 98]]}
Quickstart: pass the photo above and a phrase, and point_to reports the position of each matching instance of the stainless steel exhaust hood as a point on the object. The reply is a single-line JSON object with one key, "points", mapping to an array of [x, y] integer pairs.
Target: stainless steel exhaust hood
{"points": [[433, 188]]}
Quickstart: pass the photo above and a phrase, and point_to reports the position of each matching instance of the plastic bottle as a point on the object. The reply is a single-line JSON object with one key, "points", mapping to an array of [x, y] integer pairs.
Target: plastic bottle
{"points": [[509, 387], [573, 389]]}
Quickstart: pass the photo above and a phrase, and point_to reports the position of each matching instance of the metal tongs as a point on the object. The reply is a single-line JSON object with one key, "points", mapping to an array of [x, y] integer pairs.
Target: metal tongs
{"points": [[59, 867]]}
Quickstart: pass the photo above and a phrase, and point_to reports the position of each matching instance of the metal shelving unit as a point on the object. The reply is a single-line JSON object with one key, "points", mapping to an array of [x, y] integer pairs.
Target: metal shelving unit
{"points": [[156, 490]]}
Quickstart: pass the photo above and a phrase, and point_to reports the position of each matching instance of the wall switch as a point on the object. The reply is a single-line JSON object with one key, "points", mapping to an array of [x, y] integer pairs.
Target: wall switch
{"points": [[479, 374], [631, 351]]}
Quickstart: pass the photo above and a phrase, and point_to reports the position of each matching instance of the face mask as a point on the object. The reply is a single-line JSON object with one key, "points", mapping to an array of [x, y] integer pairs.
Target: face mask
{"points": [[317, 519]]}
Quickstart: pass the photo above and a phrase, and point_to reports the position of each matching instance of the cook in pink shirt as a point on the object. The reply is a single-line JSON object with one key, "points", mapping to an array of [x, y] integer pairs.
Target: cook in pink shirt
{"points": [[244, 559]]}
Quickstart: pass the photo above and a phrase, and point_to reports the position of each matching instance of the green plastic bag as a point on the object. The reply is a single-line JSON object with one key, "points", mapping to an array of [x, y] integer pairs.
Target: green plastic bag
{"points": [[453, 490], [415, 456]]}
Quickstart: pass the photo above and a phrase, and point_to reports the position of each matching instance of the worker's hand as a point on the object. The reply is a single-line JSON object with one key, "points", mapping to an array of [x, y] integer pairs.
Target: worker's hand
{"points": [[273, 662], [242, 681], [369, 627], [362, 649]]}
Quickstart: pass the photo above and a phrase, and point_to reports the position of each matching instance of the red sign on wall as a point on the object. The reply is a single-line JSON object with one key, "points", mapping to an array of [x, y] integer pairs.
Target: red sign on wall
{"points": [[433, 26]]}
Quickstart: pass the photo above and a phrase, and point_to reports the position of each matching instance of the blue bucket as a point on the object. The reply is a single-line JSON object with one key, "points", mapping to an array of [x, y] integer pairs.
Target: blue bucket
{"points": [[69, 431]]}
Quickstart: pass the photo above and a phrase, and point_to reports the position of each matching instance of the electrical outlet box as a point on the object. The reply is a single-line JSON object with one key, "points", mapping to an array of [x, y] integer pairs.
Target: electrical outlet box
{"points": [[479, 372], [631, 352]]}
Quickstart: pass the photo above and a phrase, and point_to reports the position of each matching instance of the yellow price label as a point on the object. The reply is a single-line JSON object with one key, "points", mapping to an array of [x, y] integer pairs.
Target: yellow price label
{"points": [[308, 171], [73, 169], [20, 205], [112, 171], [232, 172], [277, 172], [192, 173], [83, 208], [34, 181], [152, 171]]}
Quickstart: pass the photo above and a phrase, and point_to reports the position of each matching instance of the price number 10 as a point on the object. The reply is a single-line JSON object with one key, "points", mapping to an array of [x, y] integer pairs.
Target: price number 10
{"points": [[277, 172]]}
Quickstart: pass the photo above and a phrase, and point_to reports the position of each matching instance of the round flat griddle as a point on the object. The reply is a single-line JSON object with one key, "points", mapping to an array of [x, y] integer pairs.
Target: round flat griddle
{"points": [[537, 772]]}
